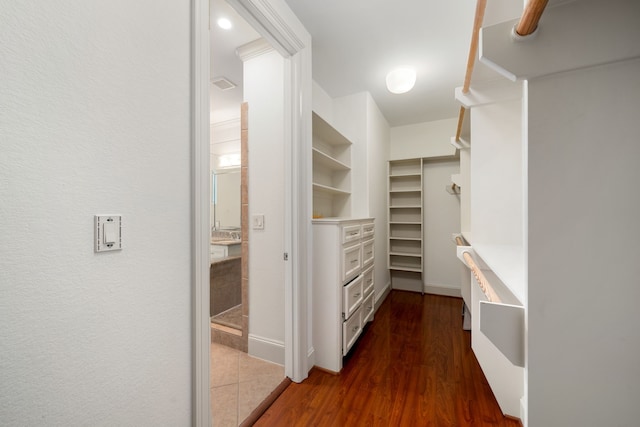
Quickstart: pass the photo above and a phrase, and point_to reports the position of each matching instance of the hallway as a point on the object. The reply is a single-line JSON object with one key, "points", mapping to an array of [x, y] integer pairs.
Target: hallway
{"points": [[413, 366]]}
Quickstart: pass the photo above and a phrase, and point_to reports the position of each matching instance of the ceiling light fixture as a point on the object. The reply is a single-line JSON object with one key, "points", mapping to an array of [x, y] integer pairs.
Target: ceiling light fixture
{"points": [[224, 23], [401, 80]]}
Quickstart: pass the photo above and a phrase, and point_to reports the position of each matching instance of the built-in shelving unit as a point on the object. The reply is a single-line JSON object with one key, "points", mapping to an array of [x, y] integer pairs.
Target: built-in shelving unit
{"points": [[331, 171], [405, 233]]}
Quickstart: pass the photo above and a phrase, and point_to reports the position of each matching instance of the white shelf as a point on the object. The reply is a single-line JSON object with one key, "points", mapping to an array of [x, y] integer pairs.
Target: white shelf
{"points": [[405, 217], [331, 153], [330, 190], [401, 268], [507, 263], [322, 159], [409, 254], [405, 175]]}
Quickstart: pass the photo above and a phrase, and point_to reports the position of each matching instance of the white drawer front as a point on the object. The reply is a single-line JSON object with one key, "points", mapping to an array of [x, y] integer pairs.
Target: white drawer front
{"points": [[218, 251], [352, 296], [367, 252], [351, 233], [368, 306], [351, 262], [368, 230], [351, 330], [367, 281]]}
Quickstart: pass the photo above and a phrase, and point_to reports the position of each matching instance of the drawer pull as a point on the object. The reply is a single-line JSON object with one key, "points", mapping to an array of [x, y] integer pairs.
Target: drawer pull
{"points": [[355, 329], [369, 281], [353, 261], [369, 253], [356, 295]]}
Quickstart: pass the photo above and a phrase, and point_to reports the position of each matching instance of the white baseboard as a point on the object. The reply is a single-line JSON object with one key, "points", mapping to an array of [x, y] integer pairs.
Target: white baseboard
{"points": [[380, 296], [311, 358], [266, 349], [446, 290]]}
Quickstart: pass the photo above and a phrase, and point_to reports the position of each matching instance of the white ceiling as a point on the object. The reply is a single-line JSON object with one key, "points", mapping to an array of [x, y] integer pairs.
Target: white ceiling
{"points": [[224, 61], [356, 42]]}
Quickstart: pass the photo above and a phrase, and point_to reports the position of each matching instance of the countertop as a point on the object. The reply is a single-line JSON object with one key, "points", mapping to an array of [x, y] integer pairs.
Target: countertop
{"points": [[226, 242]]}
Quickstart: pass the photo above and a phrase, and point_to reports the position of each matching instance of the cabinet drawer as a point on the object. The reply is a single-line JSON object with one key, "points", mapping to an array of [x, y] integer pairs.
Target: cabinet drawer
{"points": [[368, 229], [352, 296], [367, 252], [351, 330], [368, 306], [351, 262], [367, 281], [218, 251], [351, 233]]}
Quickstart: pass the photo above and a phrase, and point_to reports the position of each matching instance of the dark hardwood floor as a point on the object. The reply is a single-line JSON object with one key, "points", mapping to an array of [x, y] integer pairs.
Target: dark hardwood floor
{"points": [[413, 366]]}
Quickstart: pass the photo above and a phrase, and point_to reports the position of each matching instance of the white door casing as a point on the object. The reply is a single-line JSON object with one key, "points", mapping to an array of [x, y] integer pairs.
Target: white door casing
{"points": [[273, 20]]}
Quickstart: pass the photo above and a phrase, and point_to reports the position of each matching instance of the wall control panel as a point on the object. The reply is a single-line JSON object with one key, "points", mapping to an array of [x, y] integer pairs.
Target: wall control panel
{"points": [[108, 233]]}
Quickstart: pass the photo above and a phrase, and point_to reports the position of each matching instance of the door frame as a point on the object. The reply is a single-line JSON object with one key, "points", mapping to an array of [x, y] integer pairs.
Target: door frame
{"points": [[275, 22]]}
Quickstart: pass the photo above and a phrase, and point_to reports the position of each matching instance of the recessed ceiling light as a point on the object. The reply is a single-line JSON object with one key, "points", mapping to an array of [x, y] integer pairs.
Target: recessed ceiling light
{"points": [[224, 23], [401, 80]]}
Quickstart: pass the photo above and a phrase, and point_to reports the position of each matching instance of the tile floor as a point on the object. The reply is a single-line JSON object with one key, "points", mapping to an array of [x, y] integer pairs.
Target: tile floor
{"points": [[239, 383]]}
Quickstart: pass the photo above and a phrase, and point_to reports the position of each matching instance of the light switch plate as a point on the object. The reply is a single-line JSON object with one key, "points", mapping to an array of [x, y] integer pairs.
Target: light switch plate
{"points": [[107, 233], [257, 221]]}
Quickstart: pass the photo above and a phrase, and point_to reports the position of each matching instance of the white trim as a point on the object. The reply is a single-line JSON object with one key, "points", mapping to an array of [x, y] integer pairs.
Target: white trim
{"points": [[280, 26], [275, 22], [445, 290], [253, 49], [200, 154]]}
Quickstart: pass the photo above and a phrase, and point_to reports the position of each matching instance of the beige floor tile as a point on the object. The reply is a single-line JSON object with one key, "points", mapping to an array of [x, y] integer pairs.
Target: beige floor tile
{"points": [[224, 365], [251, 394], [239, 383], [251, 367], [224, 406]]}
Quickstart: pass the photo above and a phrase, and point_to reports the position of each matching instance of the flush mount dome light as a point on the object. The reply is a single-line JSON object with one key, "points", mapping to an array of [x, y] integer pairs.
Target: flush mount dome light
{"points": [[401, 80], [224, 23]]}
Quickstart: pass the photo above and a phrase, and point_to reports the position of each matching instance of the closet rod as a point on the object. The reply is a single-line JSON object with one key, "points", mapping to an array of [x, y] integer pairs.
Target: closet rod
{"points": [[481, 5], [482, 281], [530, 17]]}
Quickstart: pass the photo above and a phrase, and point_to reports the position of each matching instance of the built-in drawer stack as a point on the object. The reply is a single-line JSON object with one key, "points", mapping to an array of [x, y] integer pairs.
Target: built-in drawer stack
{"points": [[343, 286]]}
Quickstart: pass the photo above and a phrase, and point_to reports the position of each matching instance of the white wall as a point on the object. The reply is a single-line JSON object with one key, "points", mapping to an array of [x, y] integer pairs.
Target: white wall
{"points": [[428, 139], [378, 135], [441, 220], [264, 91], [441, 211], [583, 227], [95, 113], [358, 118]]}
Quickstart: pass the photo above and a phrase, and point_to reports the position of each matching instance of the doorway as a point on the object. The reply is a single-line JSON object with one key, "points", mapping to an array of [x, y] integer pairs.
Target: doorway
{"points": [[279, 26]]}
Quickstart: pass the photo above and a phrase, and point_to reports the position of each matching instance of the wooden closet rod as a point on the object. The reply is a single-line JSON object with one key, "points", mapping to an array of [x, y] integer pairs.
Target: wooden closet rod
{"points": [[530, 17], [527, 25], [481, 5], [482, 281]]}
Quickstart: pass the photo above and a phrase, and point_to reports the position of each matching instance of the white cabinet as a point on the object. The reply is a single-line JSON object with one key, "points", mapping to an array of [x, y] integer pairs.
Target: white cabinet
{"points": [[331, 171], [405, 203], [343, 287], [225, 250]]}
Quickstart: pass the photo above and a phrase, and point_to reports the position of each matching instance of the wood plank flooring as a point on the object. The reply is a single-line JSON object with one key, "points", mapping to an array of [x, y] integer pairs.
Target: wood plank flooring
{"points": [[413, 366]]}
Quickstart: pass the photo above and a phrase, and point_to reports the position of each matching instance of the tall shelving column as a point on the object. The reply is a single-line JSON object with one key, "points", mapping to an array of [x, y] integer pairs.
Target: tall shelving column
{"points": [[331, 171], [405, 201]]}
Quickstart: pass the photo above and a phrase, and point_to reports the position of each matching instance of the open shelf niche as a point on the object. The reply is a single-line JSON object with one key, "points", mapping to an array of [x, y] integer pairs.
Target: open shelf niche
{"points": [[331, 171], [405, 201]]}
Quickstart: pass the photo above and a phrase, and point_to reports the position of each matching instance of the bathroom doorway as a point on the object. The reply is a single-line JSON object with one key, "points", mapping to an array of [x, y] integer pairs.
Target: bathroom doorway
{"points": [[290, 298]]}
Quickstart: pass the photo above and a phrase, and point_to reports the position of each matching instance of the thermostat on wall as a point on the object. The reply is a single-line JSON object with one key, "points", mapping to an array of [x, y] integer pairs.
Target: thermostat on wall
{"points": [[108, 232]]}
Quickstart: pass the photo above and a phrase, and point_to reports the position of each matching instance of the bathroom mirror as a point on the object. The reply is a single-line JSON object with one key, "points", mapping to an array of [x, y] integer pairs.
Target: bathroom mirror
{"points": [[225, 199]]}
